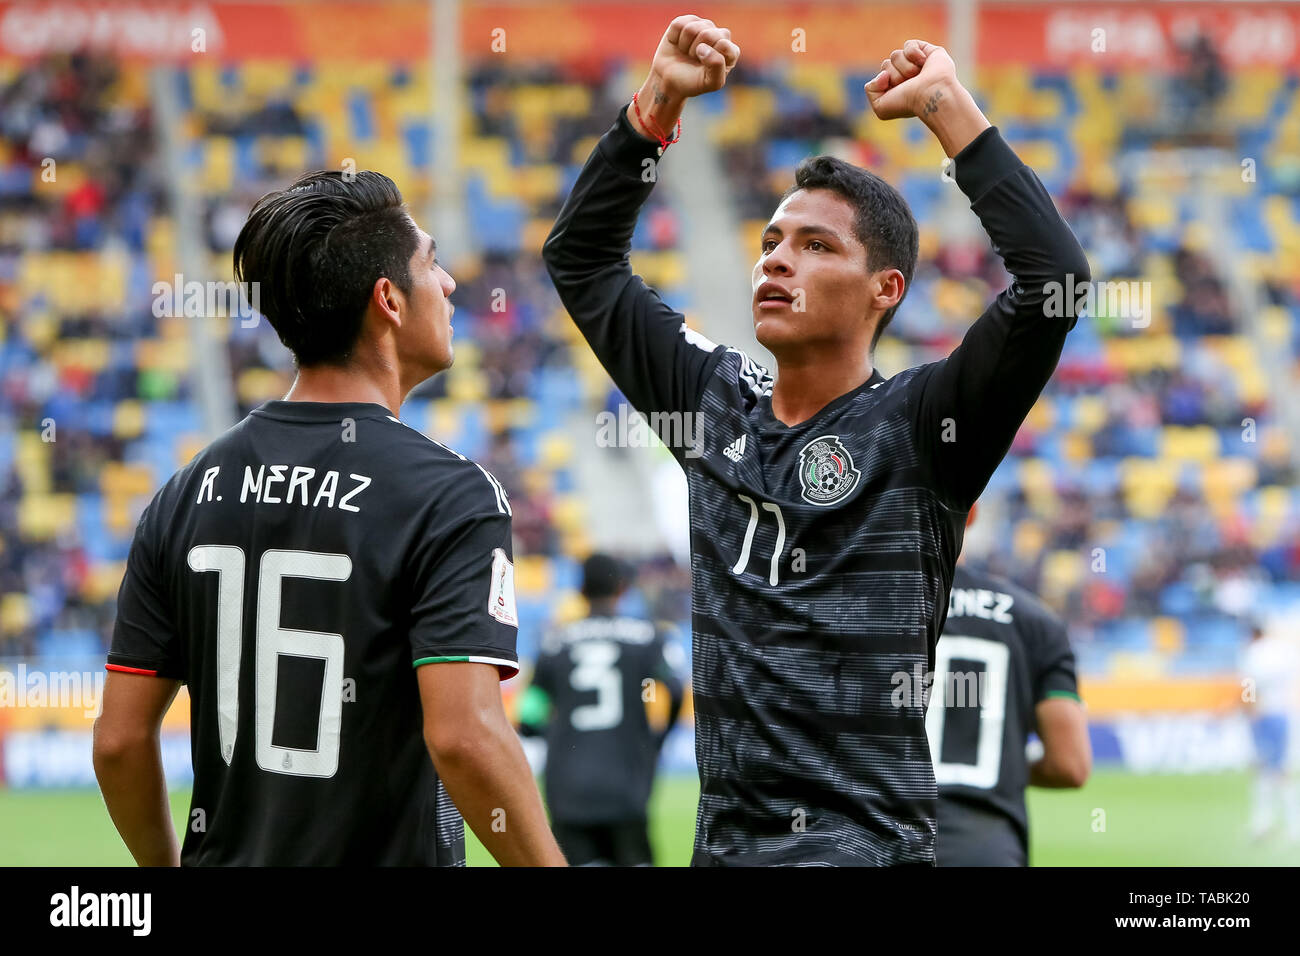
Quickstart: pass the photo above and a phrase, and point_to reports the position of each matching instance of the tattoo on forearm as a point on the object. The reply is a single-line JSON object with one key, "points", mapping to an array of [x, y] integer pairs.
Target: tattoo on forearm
{"points": [[932, 104], [660, 97]]}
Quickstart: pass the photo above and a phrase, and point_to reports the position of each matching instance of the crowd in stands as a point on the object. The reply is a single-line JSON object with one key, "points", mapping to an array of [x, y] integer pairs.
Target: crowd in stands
{"points": [[78, 197], [1152, 483]]}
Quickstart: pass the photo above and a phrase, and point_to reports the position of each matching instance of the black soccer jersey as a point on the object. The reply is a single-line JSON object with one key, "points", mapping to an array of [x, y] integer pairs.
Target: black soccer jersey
{"points": [[601, 750], [294, 574], [1002, 652], [822, 553]]}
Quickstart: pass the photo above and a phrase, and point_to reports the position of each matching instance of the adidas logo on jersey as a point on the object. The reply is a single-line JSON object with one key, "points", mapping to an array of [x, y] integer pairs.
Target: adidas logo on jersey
{"points": [[736, 450]]}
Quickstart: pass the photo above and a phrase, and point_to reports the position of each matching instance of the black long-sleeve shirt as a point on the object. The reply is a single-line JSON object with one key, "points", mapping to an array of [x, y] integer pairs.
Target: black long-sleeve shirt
{"points": [[822, 553]]}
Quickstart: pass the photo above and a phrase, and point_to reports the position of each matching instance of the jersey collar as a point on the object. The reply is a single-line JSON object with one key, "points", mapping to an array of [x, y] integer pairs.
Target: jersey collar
{"points": [[771, 423]]}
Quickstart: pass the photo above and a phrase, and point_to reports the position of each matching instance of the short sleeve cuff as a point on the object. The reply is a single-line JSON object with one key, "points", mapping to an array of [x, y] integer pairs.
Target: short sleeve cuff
{"points": [[507, 666], [123, 664], [1067, 694]]}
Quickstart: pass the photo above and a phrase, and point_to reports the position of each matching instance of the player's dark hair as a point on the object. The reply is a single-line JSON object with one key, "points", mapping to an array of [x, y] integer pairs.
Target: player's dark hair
{"points": [[882, 220], [604, 577], [316, 250]]}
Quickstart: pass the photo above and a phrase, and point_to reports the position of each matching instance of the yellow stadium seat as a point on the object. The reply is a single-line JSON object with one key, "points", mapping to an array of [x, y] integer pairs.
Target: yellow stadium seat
{"points": [[496, 415], [1229, 477], [569, 514], [1129, 665], [824, 83], [1044, 106], [1169, 634], [217, 165], [15, 612], [1195, 442], [664, 269], [1089, 413], [118, 479], [1250, 95], [485, 153], [959, 298], [576, 543], [119, 517], [1042, 414], [1152, 212], [520, 413], [533, 575], [32, 462], [537, 184], [164, 355], [257, 385], [263, 79], [470, 385], [1028, 538], [103, 581], [443, 423], [372, 75], [1062, 572], [556, 450], [1148, 484], [187, 446], [128, 419], [537, 482], [569, 606], [752, 107], [1035, 474], [534, 236], [43, 517], [205, 84], [1042, 156], [89, 354], [1077, 447]]}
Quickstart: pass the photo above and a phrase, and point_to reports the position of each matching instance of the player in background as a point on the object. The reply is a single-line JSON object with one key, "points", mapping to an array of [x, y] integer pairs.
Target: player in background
{"points": [[827, 501], [588, 697], [1270, 669], [335, 588], [1003, 669]]}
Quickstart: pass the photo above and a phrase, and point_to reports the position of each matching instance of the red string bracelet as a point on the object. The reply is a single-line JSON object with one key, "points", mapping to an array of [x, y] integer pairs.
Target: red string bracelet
{"points": [[664, 141]]}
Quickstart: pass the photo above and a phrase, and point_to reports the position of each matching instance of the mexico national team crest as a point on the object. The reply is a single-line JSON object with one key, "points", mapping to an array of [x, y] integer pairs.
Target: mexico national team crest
{"points": [[826, 471]]}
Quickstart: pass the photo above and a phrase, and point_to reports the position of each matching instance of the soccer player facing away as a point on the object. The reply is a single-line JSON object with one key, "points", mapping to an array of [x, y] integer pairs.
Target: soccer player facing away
{"points": [[588, 697], [335, 588], [827, 501], [1004, 667]]}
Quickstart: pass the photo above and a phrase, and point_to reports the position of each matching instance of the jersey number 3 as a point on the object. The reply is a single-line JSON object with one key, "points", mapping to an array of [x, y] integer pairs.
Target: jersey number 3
{"points": [[596, 668], [272, 641]]}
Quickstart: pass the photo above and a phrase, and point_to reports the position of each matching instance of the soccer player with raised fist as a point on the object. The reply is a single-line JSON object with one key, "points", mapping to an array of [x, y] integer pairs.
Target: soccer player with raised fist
{"points": [[827, 500]]}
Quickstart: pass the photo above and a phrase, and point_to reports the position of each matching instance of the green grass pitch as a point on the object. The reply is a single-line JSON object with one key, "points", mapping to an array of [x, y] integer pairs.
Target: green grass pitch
{"points": [[1118, 819]]}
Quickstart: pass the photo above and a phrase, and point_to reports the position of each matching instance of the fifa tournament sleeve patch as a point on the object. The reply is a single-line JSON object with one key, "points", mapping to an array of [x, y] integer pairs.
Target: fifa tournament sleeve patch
{"points": [[501, 597]]}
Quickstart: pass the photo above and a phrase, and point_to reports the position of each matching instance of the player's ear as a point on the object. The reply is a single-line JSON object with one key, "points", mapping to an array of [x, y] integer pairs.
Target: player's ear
{"points": [[387, 300], [887, 288]]}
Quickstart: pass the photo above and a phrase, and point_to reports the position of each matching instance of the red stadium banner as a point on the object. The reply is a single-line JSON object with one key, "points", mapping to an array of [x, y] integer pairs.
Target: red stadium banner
{"points": [[159, 31], [1119, 35], [1058, 35]]}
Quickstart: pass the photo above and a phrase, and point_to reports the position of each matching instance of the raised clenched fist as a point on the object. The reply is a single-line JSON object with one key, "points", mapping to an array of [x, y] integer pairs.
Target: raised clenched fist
{"points": [[694, 57], [912, 81]]}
